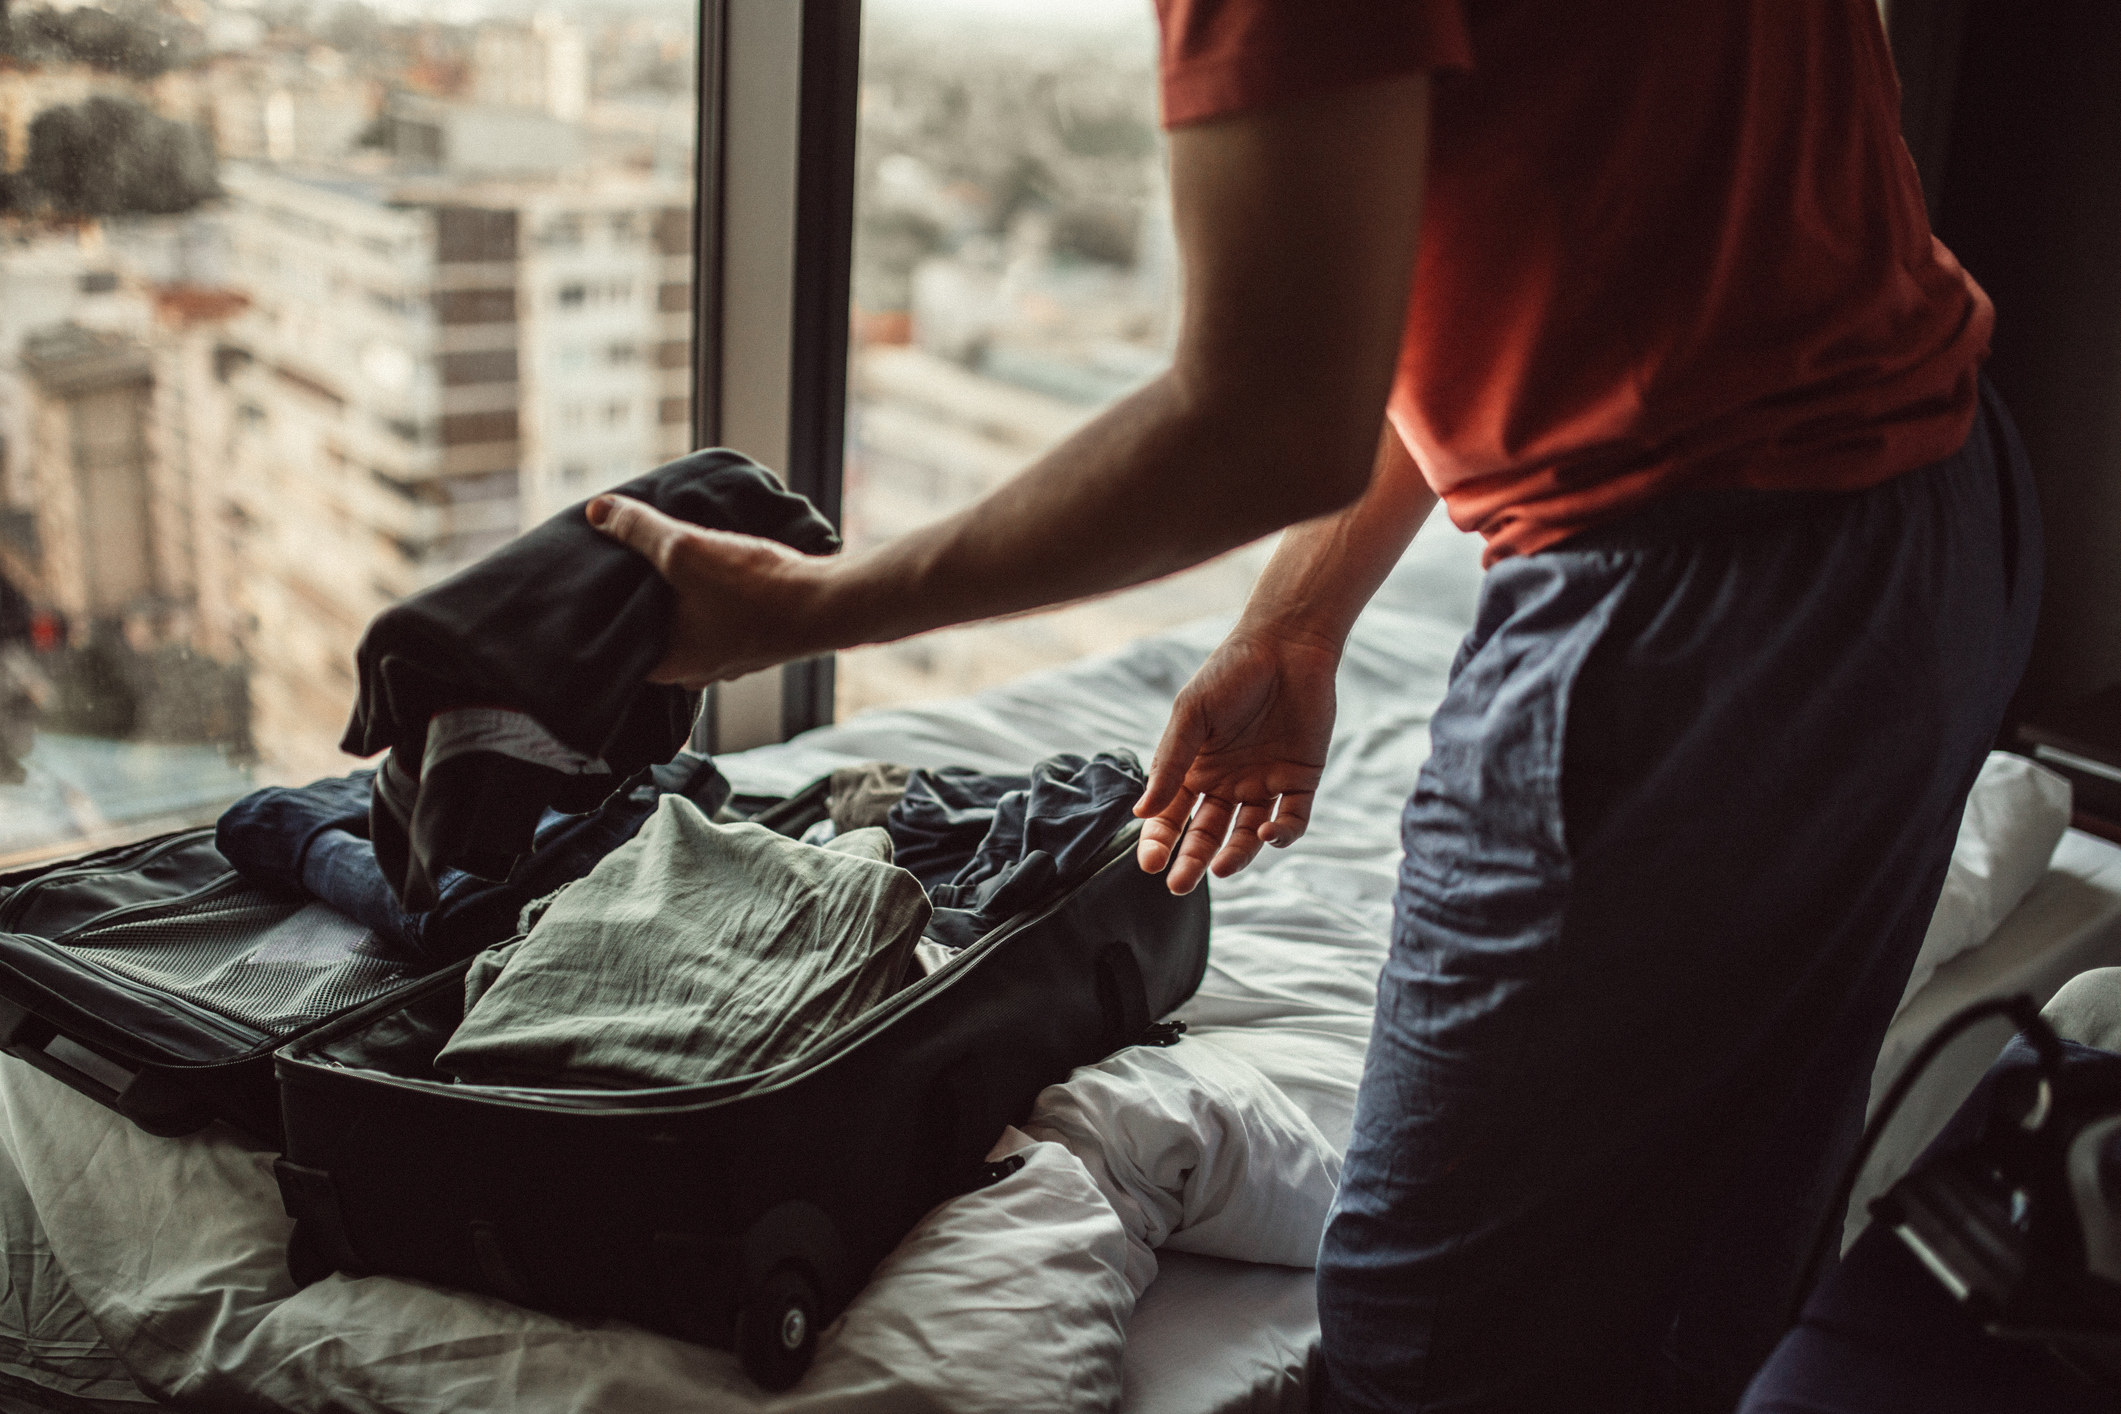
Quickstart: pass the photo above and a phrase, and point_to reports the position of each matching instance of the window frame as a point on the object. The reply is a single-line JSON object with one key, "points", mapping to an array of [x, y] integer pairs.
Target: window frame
{"points": [[773, 246]]}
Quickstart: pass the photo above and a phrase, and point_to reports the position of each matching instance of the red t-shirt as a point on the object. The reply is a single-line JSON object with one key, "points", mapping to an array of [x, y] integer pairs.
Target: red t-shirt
{"points": [[1666, 244]]}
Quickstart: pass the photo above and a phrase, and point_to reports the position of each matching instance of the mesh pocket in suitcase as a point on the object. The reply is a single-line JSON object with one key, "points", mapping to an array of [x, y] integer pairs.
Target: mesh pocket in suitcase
{"points": [[264, 962]]}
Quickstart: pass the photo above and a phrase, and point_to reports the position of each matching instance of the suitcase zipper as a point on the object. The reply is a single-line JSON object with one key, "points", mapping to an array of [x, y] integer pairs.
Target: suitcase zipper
{"points": [[86, 1025], [222, 884], [18, 900]]}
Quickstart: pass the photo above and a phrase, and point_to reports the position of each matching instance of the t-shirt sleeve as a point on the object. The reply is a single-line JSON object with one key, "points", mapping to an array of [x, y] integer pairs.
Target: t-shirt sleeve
{"points": [[1230, 56]]}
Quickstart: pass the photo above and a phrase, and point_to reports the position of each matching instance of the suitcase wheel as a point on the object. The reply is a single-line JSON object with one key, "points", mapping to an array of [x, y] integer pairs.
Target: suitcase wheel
{"points": [[776, 1331]]}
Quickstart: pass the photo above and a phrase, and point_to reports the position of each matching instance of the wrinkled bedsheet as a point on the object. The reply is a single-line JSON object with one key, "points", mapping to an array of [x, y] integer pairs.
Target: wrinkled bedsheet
{"points": [[1018, 1297]]}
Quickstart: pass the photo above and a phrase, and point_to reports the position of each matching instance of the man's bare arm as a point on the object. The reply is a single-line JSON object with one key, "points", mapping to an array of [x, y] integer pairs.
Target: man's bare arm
{"points": [[1325, 570], [1297, 229]]}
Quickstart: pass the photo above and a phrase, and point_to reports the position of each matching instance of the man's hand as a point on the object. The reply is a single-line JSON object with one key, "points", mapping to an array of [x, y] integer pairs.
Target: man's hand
{"points": [[1242, 755], [1247, 739], [737, 594]]}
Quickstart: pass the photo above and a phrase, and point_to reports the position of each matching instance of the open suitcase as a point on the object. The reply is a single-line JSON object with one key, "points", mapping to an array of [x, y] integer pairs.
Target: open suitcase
{"points": [[156, 980], [745, 1213]]}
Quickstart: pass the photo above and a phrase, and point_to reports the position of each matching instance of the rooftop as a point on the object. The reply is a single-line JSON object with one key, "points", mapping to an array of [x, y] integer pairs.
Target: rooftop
{"points": [[68, 358]]}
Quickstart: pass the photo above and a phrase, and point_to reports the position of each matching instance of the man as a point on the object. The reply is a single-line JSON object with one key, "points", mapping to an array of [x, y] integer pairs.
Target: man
{"points": [[1763, 566]]}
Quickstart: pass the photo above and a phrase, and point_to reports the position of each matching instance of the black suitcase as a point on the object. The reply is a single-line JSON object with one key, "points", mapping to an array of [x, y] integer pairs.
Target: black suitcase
{"points": [[743, 1213], [156, 980]]}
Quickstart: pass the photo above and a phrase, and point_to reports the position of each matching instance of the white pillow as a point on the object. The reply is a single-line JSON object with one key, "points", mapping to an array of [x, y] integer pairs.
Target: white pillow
{"points": [[2015, 816]]}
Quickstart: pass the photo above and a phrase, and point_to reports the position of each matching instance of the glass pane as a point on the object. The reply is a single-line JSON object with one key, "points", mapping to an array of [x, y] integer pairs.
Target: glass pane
{"points": [[304, 308], [1014, 273]]}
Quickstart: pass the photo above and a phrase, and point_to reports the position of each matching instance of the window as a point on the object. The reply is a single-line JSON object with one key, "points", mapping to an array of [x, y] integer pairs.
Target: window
{"points": [[1014, 273], [313, 371]]}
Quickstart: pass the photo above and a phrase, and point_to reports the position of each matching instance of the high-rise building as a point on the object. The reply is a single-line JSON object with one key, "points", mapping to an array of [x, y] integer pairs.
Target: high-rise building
{"points": [[424, 370], [190, 360]]}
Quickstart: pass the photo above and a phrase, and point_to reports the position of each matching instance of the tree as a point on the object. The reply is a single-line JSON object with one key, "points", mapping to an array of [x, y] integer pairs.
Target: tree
{"points": [[112, 157], [134, 39]]}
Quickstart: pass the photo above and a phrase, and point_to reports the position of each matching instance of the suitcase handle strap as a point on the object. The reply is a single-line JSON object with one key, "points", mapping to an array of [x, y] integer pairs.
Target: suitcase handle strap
{"points": [[143, 1095]]}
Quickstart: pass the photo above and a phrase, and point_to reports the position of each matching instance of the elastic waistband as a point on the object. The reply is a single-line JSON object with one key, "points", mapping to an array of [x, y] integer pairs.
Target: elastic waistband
{"points": [[1683, 516], [1702, 515]]}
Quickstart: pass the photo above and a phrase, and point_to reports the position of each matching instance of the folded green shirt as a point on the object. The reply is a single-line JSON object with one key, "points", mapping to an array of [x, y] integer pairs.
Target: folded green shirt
{"points": [[693, 952]]}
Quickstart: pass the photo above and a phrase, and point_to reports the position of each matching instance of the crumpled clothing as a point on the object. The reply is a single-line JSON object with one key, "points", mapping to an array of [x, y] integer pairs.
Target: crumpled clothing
{"points": [[518, 683], [943, 816], [693, 952], [1014, 841], [861, 796], [313, 840]]}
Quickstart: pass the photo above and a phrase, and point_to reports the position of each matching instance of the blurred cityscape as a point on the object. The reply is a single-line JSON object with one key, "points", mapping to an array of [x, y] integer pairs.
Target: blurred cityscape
{"points": [[303, 307]]}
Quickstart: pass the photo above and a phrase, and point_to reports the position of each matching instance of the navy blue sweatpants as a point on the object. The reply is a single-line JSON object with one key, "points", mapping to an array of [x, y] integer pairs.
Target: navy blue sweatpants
{"points": [[1689, 804]]}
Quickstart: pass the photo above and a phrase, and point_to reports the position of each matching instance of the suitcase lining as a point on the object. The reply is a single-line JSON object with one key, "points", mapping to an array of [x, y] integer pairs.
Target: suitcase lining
{"points": [[269, 964]]}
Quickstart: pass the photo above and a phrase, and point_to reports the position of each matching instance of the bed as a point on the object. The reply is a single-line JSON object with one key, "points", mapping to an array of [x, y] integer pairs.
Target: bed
{"points": [[159, 1259]]}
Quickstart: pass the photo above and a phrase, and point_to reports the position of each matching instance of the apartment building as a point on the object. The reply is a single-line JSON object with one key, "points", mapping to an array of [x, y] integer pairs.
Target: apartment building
{"points": [[542, 65], [425, 369], [87, 418], [48, 282]]}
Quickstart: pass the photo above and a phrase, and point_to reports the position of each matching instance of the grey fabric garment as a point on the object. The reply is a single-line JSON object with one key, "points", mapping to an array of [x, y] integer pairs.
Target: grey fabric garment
{"points": [[2088, 1009], [869, 842], [861, 796], [487, 967], [694, 952]]}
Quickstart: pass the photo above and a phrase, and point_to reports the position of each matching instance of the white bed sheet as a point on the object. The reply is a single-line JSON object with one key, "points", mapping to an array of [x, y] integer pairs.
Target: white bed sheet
{"points": [[2069, 923]]}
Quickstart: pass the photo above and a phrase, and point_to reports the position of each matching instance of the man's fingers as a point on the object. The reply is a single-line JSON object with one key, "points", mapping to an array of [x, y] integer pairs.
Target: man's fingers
{"points": [[1160, 835], [1243, 845], [1175, 751], [1290, 820], [638, 526], [1204, 835]]}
